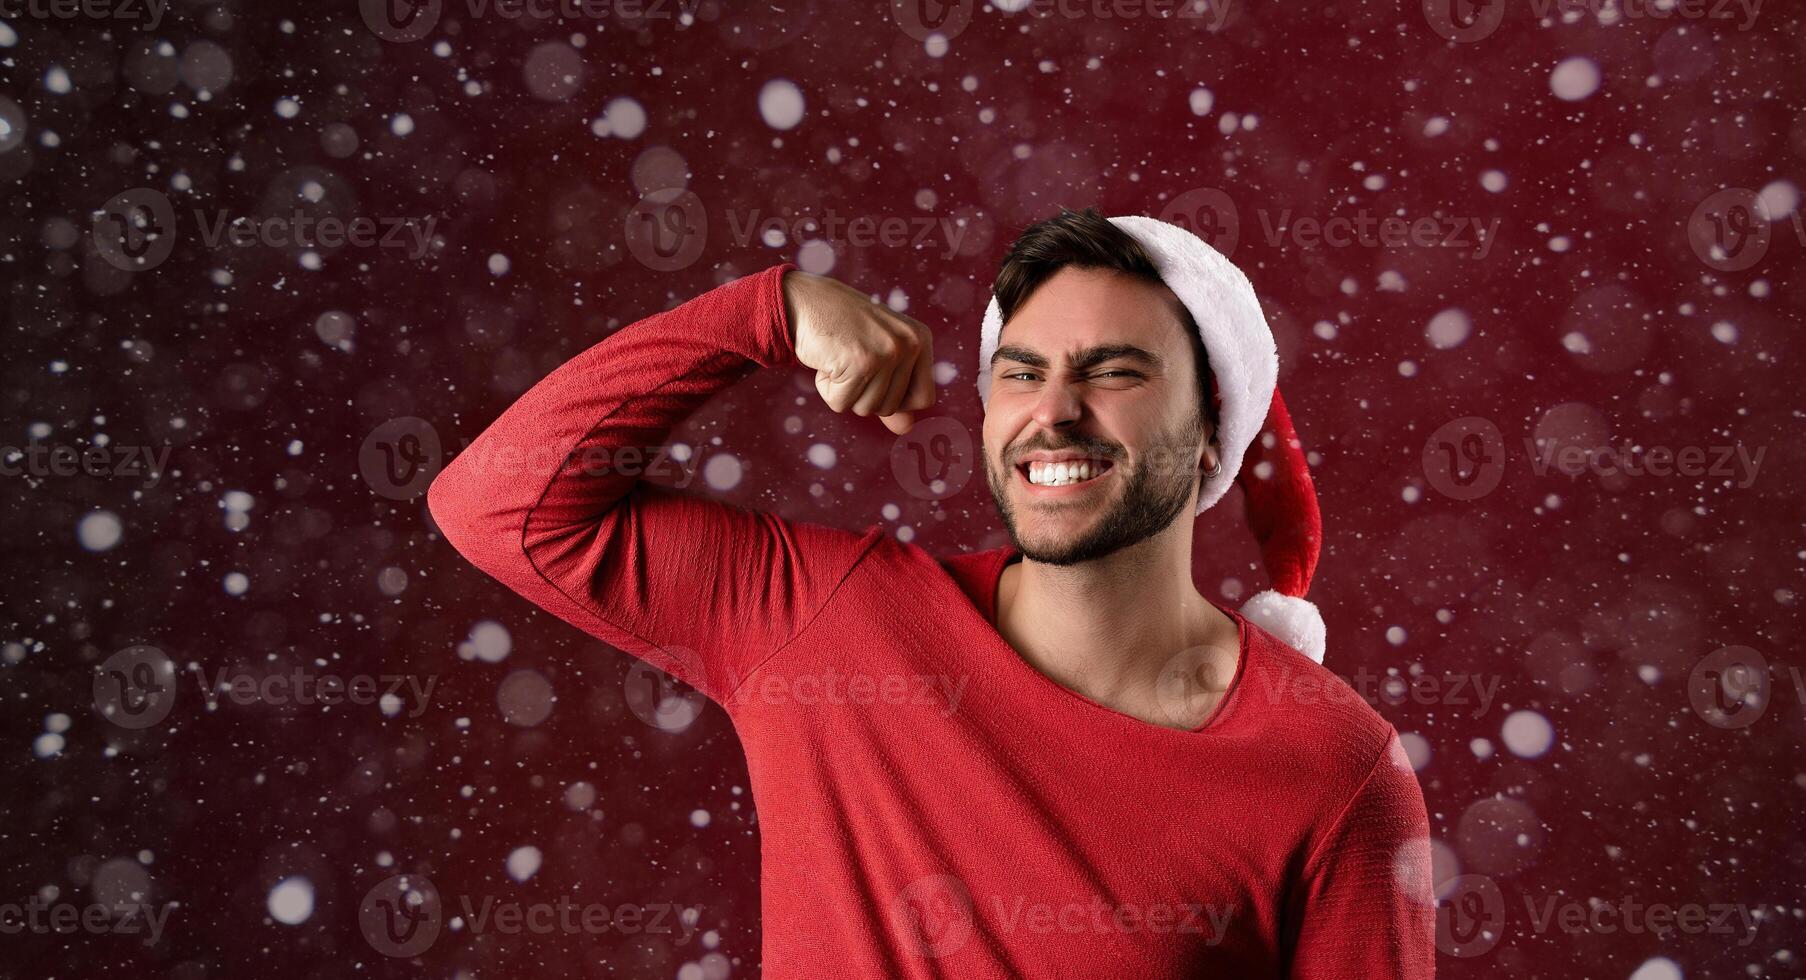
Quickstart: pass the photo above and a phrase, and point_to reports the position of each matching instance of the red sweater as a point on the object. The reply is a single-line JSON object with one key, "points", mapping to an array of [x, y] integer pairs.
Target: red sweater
{"points": [[929, 804]]}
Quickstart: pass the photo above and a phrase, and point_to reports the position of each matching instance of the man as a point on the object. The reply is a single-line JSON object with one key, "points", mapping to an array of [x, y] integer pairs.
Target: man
{"points": [[1052, 759]]}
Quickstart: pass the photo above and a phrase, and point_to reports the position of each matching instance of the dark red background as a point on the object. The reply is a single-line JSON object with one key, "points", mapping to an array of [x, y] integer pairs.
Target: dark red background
{"points": [[1588, 598]]}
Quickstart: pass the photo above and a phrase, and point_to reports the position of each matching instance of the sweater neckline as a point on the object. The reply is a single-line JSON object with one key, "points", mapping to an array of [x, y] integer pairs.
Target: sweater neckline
{"points": [[992, 579]]}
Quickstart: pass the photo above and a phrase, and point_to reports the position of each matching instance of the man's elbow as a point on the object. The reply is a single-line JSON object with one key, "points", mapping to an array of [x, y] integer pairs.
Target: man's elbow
{"points": [[456, 509]]}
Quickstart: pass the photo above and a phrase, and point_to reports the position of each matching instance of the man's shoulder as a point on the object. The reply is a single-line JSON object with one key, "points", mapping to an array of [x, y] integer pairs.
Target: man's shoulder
{"points": [[1321, 715]]}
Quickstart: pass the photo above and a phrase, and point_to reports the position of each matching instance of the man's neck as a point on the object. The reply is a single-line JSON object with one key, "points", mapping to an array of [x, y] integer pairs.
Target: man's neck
{"points": [[1106, 629]]}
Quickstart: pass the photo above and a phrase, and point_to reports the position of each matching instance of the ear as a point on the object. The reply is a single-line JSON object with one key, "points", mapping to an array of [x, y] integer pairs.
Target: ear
{"points": [[1210, 459]]}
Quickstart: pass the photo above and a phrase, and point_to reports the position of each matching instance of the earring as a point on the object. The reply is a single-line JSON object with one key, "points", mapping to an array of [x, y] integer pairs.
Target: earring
{"points": [[1215, 471]]}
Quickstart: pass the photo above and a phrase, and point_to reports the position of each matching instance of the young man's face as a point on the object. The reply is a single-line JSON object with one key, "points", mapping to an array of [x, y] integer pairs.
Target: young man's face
{"points": [[1096, 365]]}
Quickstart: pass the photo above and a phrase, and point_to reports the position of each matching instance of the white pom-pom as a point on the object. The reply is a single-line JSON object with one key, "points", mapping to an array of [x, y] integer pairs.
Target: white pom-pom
{"points": [[1294, 621]]}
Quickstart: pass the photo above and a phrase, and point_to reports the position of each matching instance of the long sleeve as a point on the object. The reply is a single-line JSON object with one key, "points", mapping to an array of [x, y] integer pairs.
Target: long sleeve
{"points": [[548, 499], [1367, 907]]}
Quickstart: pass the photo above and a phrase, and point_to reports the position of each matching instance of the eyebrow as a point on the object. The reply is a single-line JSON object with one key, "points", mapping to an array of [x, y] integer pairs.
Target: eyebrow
{"points": [[1085, 358]]}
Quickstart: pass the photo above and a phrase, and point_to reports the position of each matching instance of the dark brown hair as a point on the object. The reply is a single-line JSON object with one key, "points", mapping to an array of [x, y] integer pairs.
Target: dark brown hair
{"points": [[1087, 240]]}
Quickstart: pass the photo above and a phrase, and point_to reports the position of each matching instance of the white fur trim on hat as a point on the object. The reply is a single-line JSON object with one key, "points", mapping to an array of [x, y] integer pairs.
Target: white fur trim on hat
{"points": [[1290, 618], [1243, 357]]}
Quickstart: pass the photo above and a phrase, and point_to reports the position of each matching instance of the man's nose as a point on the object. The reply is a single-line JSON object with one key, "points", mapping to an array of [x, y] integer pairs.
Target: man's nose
{"points": [[1059, 405]]}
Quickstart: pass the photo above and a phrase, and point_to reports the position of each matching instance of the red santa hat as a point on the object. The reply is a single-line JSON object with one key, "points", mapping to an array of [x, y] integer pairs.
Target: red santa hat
{"points": [[1256, 443]]}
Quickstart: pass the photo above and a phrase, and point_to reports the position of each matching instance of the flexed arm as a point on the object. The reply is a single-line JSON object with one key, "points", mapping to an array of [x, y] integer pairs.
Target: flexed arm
{"points": [[548, 499]]}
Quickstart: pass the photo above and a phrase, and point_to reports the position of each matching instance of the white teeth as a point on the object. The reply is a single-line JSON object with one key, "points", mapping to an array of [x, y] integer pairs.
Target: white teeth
{"points": [[1059, 474]]}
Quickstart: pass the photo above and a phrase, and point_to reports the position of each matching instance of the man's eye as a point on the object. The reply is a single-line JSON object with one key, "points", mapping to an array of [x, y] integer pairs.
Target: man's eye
{"points": [[1019, 374]]}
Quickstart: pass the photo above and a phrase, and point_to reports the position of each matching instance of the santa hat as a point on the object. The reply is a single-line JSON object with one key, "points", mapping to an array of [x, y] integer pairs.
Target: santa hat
{"points": [[1257, 445]]}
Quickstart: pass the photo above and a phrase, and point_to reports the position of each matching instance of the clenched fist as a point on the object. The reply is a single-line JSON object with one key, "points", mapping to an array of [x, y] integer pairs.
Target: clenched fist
{"points": [[866, 356]]}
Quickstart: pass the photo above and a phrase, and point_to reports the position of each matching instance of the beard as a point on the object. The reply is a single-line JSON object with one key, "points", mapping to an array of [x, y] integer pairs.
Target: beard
{"points": [[1154, 495]]}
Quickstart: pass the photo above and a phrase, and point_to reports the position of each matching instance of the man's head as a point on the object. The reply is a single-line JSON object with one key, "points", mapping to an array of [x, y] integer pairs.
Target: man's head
{"points": [[1099, 360]]}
